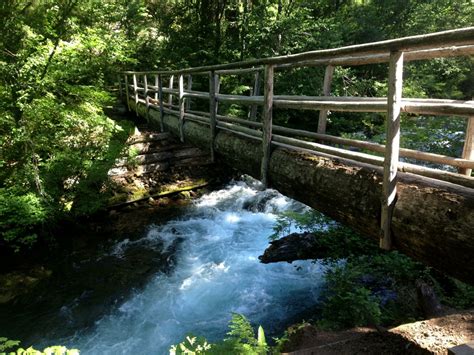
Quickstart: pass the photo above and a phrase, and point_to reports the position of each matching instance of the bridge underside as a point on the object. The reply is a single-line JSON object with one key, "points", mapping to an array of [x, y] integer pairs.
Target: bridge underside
{"points": [[433, 221]]}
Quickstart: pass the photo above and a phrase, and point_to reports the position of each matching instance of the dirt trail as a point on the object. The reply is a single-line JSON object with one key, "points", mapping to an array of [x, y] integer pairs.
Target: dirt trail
{"points": [[433, 336]]}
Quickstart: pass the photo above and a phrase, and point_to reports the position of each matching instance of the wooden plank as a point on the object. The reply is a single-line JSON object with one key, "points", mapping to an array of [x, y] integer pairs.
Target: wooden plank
{"points": [[181, 107], [323, 114], [468, 150], [135, 91], [255, 92], [126, 92], [267, 116], [390, 167], [213, 89]]}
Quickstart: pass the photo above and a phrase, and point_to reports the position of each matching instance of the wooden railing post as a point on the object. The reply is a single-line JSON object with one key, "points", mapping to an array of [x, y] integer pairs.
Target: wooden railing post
{"points": [[119, 78], [213, 90], [255, 92], [390, 166], [147, 99], [159, 85], [189, 87], [468, 150], [181, 107], [127, 92], [135, 91], [170, 97], [323, 114], [267, 121]]}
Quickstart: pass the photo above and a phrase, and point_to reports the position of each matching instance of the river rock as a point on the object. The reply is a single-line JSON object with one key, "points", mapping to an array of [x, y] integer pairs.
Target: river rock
{"points": [[295, 246]]}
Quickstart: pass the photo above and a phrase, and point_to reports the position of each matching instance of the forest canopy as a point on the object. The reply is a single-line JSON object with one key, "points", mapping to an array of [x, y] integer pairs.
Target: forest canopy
{"points": [[58, 58]]}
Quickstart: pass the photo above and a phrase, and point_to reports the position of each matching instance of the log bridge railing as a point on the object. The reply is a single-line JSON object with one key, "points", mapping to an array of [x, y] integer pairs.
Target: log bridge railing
{"points": [[148, 88]]}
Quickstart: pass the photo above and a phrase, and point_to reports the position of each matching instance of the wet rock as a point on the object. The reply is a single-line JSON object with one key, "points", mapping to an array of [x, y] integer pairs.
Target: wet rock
{"points": [[259, 203], [295, 246], [428, 301]]}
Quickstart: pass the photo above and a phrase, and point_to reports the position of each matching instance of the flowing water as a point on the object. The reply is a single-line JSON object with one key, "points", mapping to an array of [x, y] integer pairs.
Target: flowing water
{"points": [[216, 272]]}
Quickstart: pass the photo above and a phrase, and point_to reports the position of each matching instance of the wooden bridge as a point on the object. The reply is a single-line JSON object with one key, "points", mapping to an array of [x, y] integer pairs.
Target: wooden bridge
{"points": [[427, 213]]}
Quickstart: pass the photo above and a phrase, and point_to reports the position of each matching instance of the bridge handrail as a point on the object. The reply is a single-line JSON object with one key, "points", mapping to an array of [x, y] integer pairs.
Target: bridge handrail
{"points": [[417, 44], [452, 43]]}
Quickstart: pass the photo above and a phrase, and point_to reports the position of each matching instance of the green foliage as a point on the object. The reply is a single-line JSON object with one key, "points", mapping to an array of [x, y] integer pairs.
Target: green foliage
{"points": [[311, 220], [354, 307], [378, 288], [7, 346], [56, 58], [240, 340], [458, 294], [52, 350], [363, 284], [191, 345], [20, 213]]}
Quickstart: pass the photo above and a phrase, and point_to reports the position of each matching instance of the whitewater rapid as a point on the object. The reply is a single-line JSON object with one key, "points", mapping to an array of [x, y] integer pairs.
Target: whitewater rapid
{"points": [[216, 272]]}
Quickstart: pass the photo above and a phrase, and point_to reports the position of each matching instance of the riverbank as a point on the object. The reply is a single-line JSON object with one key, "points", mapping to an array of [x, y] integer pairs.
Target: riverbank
{"points": [[431, 336], [72, 276]]}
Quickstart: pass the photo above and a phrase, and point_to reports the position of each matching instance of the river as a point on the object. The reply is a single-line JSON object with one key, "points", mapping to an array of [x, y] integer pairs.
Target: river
{"points": [[216, 272]]}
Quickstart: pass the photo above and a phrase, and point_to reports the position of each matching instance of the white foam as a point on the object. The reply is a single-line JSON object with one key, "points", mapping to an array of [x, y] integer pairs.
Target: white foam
{"points": [[217, 272]]}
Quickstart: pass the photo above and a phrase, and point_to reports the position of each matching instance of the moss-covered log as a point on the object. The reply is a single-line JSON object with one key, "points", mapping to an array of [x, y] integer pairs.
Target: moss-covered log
{"points": [[433, 221]]}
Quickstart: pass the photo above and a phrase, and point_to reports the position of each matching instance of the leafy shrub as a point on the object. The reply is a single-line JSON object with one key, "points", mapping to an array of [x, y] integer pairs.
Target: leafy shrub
{"points": [[6, 346], [240, 340], [20, 214]]}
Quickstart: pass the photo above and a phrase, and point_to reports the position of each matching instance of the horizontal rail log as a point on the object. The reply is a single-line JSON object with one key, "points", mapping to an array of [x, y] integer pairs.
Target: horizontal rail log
{"points": [[239, 71], [197, 94], [358, 104], [240, 99], [357, 156], [371, 146], [458, 37], [170, 91], [446, 52]]}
